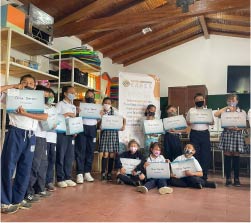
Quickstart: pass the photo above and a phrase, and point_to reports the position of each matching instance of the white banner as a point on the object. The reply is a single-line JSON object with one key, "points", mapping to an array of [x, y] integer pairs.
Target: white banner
{"points": [[61, 126], [111, 122], [153, 126], [233, 119], [158, 171], [201, 116], [129, 164], [74, 125], [136, 91], [50, 123], [175, 122], [179, 167], [90, 110]]}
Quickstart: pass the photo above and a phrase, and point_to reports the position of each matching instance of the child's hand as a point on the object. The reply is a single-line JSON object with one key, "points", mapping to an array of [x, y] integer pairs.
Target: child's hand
{"points": [[21, 111], [19, 86], [134, 172], [78, 110], [188, 173], [146, 164], [122, 129], [101, 113], [173, 175], [167, 161], [123, 171], [70, 114], [142, 176]]}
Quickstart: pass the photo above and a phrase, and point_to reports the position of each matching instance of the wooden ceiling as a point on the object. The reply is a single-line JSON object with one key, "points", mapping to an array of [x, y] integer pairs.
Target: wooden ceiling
{"points": [[114, 27]]}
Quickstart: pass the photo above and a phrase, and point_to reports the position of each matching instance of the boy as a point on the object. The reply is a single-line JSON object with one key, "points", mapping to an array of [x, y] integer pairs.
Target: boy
{"points": [[192, 179], [18, 151]]}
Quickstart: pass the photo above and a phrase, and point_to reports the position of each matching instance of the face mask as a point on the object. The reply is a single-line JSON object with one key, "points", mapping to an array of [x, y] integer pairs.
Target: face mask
{"points": [[46, 100], [170, 114], [28, 88], [188, 152], [156, 153], [133, 149], [50, 100], [151, 113], [71, 96], [199, 103], [107, 107], [89, 100], [232, 104]]}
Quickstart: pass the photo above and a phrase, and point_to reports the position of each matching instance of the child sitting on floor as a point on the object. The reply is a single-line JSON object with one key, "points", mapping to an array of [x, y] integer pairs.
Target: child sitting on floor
{"points": [[191, 179]]}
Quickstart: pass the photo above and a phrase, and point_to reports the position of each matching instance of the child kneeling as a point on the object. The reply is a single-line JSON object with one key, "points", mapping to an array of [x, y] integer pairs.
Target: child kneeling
{"points": [[155, 157], [134, 178], [191, 179]]}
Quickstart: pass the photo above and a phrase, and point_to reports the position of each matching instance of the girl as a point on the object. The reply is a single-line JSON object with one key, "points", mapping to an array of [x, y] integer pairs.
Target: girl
{"points": [[65, 148], [231, 142], [109, 142], [155, 157], [172, 143], [132, 153]]}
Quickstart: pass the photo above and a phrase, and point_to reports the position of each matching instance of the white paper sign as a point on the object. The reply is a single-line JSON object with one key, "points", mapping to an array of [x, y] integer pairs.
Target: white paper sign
{"points": [[176, 122], [201, 116], [74, 125], [129, 164], [61, 127], [153, 126], [179, 167], [50, 123], [90, 110], [31, 101], [158, 171], [111, 122], [233, 119]]}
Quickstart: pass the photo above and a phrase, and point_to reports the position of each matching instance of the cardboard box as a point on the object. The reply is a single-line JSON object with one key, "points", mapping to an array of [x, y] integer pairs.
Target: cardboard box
{"points": [[74, 125], [13, 18], [32, 101]]}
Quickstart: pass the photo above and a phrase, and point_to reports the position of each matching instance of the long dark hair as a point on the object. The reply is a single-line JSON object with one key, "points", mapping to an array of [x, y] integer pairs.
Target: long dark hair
{"points": [[148, 107]]}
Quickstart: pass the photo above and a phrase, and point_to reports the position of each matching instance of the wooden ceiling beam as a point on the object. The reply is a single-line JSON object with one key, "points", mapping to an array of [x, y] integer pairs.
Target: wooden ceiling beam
{"points": [[230, 34], [151, 47], [161, 49], [154, 16], [234, 18], [203, 25], [140, 39], [236, 28]]}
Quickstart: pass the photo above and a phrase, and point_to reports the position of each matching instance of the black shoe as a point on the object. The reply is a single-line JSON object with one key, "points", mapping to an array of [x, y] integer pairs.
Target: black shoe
{"points": [[109, 177], [228, 182], [137, 183], [210, 184], [237, 183], [31, 198], [119, 181], [44, 194], [198, 185], [103, 177]]}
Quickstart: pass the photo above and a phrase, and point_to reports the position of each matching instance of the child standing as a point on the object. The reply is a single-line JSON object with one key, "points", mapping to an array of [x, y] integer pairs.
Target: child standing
{"points": [[155, 157], [231, 142], [65, 143], [109, 142], [134, 178], [18, 151], [200, 137], [172, 143], [192, 179]]}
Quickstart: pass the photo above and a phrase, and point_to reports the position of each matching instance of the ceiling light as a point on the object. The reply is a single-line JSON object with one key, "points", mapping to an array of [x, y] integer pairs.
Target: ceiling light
{"points": [[146, 30]]}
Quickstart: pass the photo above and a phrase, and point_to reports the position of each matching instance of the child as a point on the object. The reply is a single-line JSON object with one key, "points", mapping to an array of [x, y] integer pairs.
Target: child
{"points": [[155, 157], [18, 151], [86, 144], [192, 179], [132, 153], [172, 143], [200, 137], [65, 143], [40, 162], [231, 142], [109, 142], [51, 140]]}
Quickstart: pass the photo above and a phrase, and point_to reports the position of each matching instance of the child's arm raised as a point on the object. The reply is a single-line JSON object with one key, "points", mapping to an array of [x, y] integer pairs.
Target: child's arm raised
{"points": [[6, 87]]}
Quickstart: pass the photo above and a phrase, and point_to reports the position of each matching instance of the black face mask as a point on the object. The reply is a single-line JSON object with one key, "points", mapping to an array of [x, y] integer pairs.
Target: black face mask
{"points": [[46, 100], [199, 103], [28, 88], [151, 113], [89, 100]]}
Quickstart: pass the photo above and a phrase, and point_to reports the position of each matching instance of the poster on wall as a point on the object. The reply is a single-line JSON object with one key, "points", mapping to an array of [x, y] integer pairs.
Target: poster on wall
{"points": [[136, 91]]}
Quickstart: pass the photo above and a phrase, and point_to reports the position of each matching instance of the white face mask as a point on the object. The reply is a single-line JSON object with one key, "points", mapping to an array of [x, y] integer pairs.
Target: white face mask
{"points": [[133, 149], [107, 107]]}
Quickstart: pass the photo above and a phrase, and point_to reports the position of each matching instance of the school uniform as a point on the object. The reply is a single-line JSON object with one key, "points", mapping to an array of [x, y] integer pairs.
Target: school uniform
{"points": [[18, 152], [65, 146], [129, 178], [172, 145], [85, 146], [200, 137], [152, 183], [190, 181]]}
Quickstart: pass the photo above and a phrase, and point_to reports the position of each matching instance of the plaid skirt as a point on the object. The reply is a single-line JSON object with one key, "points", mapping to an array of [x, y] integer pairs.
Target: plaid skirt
{"points": [[232, 141], [109, 141]]}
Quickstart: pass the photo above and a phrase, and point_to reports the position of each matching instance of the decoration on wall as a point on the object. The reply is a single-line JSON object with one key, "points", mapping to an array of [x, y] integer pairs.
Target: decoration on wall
{"points": [[184, 4]]}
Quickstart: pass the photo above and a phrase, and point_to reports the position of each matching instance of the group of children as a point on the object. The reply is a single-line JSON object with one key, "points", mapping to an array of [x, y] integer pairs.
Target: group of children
{"points": [[33, 152]]}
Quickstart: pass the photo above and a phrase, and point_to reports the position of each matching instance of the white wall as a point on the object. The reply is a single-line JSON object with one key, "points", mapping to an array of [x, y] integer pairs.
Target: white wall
{"points": [[199, 61]]}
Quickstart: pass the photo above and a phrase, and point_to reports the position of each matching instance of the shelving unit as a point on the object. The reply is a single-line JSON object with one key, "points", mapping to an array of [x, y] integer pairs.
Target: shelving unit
{"points": [[11, 39]]}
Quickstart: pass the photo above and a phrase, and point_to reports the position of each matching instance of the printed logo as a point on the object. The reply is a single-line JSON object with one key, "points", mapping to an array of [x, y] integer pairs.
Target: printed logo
{"points": [[126, 83], [32, 148]]}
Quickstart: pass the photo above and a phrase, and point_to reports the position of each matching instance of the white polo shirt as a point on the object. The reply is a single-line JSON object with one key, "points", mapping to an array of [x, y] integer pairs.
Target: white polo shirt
{"points": [[65, 107], [196, 163], [159, 159], [197, 127], [20, 121]]}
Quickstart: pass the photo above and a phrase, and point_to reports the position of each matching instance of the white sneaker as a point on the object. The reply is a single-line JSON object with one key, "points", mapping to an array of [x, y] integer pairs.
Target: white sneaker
{"points": [[70, 183], [80, 178], [88, 177], [62, 184], [142, 189], [165, 190]]}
